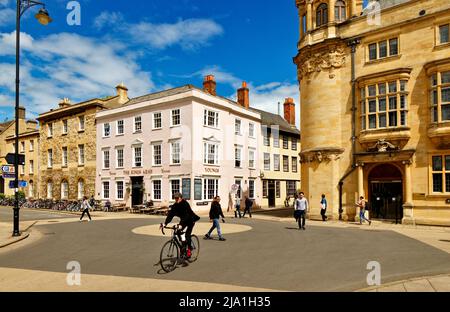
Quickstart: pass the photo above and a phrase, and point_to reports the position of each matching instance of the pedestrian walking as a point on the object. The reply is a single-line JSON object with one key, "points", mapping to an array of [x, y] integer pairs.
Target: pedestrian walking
{"points": [[85, 206], [301, 208], [214, 215], [248, 206], [362, 210], [323, 208], [237, 207]]}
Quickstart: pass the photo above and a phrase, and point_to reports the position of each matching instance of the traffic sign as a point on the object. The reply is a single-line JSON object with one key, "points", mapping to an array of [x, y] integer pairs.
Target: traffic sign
{"points": [[22, 184], [8, 175], [8, 169], [10, 159]]}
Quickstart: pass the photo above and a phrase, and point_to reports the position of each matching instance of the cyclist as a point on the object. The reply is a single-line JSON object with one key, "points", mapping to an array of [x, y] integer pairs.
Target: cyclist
{"points": [[182, 210]]}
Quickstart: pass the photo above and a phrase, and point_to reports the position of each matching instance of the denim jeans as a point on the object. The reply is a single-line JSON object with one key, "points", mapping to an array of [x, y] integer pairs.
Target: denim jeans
{"points": [[362, 216], [216, 224]]}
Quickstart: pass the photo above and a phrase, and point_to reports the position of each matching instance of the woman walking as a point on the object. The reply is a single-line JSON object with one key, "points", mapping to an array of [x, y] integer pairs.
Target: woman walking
{"points": [[214, 215], [85, 206]]}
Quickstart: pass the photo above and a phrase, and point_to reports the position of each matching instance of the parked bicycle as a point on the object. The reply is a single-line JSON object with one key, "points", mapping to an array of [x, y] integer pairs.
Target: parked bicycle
{"points": [[175, 251]]}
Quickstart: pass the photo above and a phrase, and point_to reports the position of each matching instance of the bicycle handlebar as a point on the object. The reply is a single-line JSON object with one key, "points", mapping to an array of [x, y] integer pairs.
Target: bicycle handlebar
{"points": [[174, 227]]}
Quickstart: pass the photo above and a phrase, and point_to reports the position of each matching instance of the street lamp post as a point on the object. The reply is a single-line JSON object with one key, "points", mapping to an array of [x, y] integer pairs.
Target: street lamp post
{"points": [[43, 18]]}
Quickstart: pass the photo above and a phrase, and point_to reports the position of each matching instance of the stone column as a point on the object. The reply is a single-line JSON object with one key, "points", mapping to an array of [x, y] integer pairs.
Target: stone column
{"points": [[360, 187], [408, 214], [353, 8], [309, 16], [301, 23], [331, 16]]}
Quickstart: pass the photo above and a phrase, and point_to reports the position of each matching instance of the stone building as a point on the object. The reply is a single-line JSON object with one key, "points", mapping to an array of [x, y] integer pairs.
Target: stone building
{"points": [[68, 147], [375, 113], [28, 145], [278, 153]]}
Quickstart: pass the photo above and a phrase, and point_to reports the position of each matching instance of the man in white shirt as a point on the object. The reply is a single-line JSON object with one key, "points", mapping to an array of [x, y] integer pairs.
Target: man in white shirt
{"points": [[301, 208]]}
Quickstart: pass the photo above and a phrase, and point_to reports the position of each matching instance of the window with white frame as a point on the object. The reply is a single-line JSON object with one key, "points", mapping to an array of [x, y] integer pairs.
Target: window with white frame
{"points": [[81, 154], [210, 188], [64, 156], [50, 158], [276, 137], [175, 187], [120, 190], [210, 118], [65, 128], [251, 130], [137, 124], [157, 120], [251, 189], [31, 145], [266, 136], [106, 129], [105, 189], [156, 189], [285, 142], [50, 130], [175, 151], [81, 123], [31, 166], [119, 157], [137, 156], [267, 161], [383, 49], [22, 147], [50, 190], [384, 105], [291, 188], [64, 189], [157, 158], [294, 144], [265, 185], [238, 194], [251, 158], [277, 189], [286, 163], [237, 126], [81, 189], [276, 162], [440, 96], [211, 153], [120, 127], [175, 117], [106, 162], [238, 157]]}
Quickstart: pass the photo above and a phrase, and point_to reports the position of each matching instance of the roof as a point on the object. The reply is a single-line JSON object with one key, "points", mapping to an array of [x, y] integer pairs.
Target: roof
{"points": [[23, 134], [270, 119], [384, 4], [5, 125], [160, 94]]}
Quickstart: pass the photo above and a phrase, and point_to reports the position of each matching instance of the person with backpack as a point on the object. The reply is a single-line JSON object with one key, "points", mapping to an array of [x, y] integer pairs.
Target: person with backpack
{"points": [[248, 206], [323, 208], [362, 204]]}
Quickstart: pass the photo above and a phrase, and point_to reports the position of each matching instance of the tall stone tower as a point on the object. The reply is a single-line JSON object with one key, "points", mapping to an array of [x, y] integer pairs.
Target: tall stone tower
{"points": [[325, 78]]}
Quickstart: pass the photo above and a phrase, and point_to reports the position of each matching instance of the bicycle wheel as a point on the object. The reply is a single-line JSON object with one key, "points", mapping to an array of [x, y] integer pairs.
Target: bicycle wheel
{"points": [[195, 248], [169, 256]]}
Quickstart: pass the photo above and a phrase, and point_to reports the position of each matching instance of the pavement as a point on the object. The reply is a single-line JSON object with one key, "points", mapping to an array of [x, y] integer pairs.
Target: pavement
{"points": [[259, 255]]}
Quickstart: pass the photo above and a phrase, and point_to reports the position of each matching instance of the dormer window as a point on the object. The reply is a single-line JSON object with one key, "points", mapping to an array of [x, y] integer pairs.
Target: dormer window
{"points": [[322, 15], [339, 11]]}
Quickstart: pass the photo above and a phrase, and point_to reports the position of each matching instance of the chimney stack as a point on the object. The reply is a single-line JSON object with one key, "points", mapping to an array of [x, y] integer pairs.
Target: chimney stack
{"points": [[22, 112], [122, 92], [209, 85], [289, 111], [243, 95], [64, 103]]}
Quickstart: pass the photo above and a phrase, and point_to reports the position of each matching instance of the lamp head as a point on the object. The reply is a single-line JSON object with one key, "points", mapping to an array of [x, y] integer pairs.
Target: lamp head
{"points": [[43, 17]]}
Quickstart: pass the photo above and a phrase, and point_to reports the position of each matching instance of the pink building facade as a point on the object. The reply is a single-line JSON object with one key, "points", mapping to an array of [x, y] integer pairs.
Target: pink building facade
{"points": [[181, 140]]}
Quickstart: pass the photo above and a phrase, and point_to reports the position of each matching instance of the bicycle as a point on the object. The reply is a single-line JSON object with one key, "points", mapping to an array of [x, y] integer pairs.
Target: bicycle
{"points": [[174, 251]]}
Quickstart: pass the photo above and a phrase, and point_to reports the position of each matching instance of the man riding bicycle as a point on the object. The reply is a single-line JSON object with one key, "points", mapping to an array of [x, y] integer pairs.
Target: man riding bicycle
{"points": [[182, 210]]}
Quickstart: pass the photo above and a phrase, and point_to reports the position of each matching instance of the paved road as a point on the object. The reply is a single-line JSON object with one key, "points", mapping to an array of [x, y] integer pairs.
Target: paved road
{"points": [[6, 215], [272, 255]]}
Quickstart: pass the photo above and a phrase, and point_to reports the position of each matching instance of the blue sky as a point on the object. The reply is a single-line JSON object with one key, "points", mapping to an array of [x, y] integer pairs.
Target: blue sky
{"points": [[150, 46]]}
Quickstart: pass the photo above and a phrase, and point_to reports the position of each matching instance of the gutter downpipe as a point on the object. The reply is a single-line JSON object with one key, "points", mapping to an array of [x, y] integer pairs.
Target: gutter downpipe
{"points": [[352, 43]]}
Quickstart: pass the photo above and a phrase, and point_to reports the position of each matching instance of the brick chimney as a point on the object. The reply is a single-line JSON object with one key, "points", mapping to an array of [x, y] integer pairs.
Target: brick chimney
{"points": [[289, 111], [64, 103], [243, 95], [21, 112], [209, 85], [122, 92]]}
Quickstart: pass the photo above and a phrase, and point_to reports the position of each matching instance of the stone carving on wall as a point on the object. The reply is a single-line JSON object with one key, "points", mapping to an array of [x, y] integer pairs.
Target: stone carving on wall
{"points": [[329, 58], [383, 146], [322, 155]]}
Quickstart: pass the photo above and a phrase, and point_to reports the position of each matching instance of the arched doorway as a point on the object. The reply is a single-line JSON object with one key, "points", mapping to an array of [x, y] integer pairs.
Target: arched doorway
{"points": [[386, 192]]}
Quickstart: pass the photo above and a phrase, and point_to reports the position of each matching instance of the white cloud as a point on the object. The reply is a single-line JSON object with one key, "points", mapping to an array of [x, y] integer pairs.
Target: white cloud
{"points": [[4, 3], [108, 19], [70, 65], [7, 16]]}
